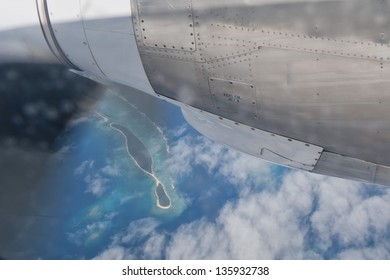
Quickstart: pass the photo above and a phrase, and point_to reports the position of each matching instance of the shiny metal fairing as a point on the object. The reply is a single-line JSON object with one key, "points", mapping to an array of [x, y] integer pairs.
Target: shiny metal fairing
{"points": [[312, 71], [48, 32], [271, 147], [97, 38]]}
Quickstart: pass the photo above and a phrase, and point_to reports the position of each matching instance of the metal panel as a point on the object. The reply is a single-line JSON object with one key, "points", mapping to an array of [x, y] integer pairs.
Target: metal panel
{"points": [[185, 82], [109, 30], [69, 31], [159, 29], [110, 16], [118, 57], [345, 167], [271, 147], [382, 175], [352, 168], [233, 96], [320, 69]]}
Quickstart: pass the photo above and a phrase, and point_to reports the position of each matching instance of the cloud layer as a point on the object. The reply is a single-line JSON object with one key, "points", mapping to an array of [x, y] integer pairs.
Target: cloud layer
{"points": [[95, 178], [308, 217], [296, 216]]}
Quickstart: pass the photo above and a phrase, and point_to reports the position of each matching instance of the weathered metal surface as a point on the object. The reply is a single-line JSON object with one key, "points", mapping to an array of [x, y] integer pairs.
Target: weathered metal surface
{"points": [[351, 168], [233, 97], [155, 16], [68, 28], [265, 145], [98, 38], [320, 69]]}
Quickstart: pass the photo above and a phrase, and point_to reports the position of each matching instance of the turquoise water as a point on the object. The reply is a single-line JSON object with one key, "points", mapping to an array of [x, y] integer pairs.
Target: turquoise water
{"points": [[93, 153]]}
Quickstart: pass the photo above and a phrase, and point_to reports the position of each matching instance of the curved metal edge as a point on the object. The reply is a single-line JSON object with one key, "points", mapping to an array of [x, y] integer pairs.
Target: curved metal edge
{"points": [[336, 165], [48, 33], [281, 150]]}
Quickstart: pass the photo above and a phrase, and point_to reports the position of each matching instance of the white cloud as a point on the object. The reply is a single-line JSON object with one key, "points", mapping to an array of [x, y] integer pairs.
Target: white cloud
{"points": [[143, 229], [139, 229], [91, 232], [85, 165], [377, 252], [61, 154], [179, 163], [111, 215], [238, 168], [264, 225], [154, 246], [279, 224], [110, 170], [113, 253], [75, 122], [180, 131], [96, 184], [97, 179], [345, 214]]}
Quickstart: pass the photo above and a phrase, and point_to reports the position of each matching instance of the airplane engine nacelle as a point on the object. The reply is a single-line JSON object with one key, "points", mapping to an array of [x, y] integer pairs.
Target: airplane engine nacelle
{"points": [[96, 37]]}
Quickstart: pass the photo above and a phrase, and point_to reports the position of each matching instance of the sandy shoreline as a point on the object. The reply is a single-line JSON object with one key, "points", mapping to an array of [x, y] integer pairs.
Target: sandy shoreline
{"points": [[158, 182]]}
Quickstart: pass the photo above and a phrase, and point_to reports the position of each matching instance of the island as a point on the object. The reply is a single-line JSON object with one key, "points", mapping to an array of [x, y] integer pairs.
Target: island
{"points": [[143, 159], [163, 200]]}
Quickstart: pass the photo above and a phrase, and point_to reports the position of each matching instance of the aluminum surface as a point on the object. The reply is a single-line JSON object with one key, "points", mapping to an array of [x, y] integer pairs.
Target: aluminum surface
{"points": [[109, 30], [98, 37], [268, 146], [350, 168], [48, 33], [69, 32], [234, 97], [181, 24], [320, 69]]}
